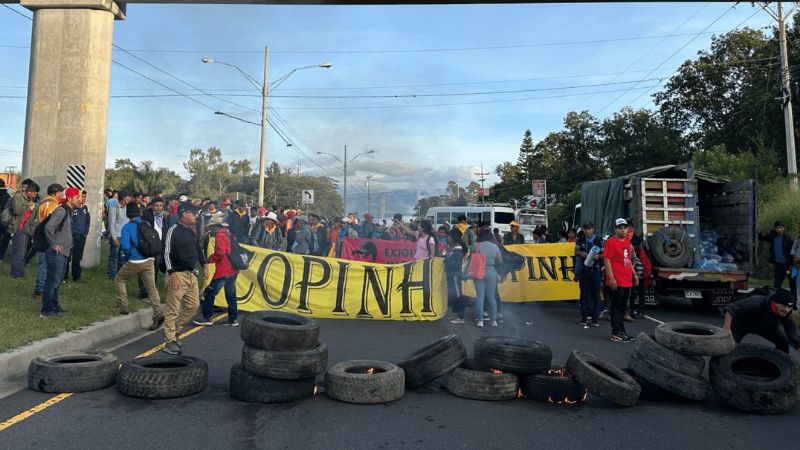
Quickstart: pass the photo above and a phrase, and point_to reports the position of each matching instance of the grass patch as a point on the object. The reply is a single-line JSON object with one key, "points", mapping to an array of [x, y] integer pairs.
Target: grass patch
{"points": [[86, 302]]}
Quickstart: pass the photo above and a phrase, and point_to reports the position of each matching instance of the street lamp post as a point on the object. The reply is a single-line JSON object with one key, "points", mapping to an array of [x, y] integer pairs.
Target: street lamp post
{"points": [[368, 197], [264, 90], [344, 164]]}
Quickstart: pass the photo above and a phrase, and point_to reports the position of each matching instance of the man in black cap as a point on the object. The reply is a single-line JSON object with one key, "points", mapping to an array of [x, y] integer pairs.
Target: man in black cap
{"points": [[780, 248], [769, 316], [590, 277]]}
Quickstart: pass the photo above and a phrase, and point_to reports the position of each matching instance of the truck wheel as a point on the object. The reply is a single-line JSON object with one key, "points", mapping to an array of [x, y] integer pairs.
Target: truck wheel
{"points": [[671, 247], [691, 338], [756, 378], [603, 379], [482, 385], [433, 360]]}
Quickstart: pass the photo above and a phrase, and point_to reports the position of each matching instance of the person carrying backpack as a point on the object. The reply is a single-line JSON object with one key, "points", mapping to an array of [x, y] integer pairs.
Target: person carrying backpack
{"points": [[34, 228], [224, 274], [137, 245], [58, 235]]}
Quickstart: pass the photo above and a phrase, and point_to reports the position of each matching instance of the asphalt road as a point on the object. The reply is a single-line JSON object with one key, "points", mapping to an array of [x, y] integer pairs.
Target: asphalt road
{"points": [[427, 418]]}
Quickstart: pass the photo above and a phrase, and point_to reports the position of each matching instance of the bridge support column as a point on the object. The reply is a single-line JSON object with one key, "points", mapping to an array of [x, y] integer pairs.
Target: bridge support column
{"points": [[67, 113]]}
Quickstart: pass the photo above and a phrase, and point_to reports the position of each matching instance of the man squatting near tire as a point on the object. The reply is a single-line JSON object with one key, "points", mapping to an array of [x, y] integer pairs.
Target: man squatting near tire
{"points": [[769, 316], [182, 252]]}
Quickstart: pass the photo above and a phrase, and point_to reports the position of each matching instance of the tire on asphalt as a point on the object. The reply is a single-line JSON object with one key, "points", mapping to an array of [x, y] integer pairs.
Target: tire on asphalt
{"points": [[647, 348], [285, 365], [365, 382], [603, 379], [514, 355], [433, 360], [482, 384], [691, 388], [671, 247], [163, 376], [756, 378], [650, 391], [692, 338], [280, 331], [251, 388], [555, 386], [73, 372]]}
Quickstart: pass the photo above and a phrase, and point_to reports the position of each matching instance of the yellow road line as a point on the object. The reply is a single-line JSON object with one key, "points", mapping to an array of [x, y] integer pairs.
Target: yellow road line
{"points": [[60, 397]]}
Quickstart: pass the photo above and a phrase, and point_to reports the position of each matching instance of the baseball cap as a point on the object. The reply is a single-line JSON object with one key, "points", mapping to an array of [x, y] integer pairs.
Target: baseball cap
{"points": [[71, 192], [183, 198], [782, 297], [187, 207], [587, 224], [368, 216], [620, 222]]}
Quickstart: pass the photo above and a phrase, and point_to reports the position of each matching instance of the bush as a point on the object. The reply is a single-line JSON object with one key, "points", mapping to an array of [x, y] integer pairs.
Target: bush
{"points": [[776, 202]]}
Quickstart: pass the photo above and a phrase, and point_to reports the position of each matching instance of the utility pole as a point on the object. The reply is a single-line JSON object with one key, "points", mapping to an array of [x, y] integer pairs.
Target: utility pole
{"points": [[788, 120], [368, 196], [482, 178], [344, 200], [262, 158]]}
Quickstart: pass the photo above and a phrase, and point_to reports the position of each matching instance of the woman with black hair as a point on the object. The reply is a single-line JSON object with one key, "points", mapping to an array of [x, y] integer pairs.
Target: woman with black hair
{"points": [[427, 242], [487, 287]]}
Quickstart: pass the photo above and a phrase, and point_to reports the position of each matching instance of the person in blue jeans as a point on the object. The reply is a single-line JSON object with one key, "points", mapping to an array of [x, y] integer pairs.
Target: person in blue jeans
{"points": [[487, 287], [224, 273], [58, 233], [780, 248], [590, 277]]}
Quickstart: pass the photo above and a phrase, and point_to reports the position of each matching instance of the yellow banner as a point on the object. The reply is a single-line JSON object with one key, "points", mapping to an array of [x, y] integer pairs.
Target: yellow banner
{"points": [[340, 289], [544, 273]]}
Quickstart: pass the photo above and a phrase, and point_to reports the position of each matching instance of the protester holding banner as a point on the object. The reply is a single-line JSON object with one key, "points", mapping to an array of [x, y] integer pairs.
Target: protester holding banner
{"points": [[224, 273], [487, 287], [618, 260], [589, 268], [427, 242]]}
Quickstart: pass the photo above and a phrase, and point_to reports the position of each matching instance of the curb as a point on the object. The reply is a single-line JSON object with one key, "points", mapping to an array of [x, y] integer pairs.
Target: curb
{"points": [[14, 364]]}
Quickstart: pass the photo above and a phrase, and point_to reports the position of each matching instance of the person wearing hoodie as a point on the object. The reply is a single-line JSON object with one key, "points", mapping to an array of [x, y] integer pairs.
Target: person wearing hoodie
{"points": [[136, 265], [302, 237], [58, 232]]}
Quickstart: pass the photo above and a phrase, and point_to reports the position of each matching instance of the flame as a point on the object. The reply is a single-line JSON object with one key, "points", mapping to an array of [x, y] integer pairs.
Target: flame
{"points": [[370, 371], [520, 394], [315, 391], [569, 401], [558, 372], [495, 371]]}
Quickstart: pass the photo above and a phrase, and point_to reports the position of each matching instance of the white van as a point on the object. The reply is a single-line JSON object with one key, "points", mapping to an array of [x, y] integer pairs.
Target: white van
{"points": [[529, 219], [497, 216]]}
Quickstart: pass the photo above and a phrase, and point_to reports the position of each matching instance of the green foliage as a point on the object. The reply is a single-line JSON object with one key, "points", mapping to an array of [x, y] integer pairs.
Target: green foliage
{"points": [[564, 210], [761, 164], [455, 195], [283, 189], [127, 176], [211, 176]]}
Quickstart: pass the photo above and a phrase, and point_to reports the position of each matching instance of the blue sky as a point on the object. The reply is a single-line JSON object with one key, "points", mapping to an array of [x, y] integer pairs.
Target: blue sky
{"points": [[432, 52]]}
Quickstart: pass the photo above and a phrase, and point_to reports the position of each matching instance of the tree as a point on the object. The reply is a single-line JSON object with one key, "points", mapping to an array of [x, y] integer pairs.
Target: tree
{"points": [[210, 175], [526, 155], [145, 178]]}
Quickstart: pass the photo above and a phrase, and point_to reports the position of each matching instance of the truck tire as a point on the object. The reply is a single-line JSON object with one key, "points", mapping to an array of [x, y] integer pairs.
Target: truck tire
{"points": [[251, 388], [692, 388], [73, 372], [162, 377], [285, 365], [433, 360], [555, 386], [350, 381], [671, 247], [482, 384], [692, 338], [756, 378], [603, 379], [514, 355], [647, 348], [280, 331]]}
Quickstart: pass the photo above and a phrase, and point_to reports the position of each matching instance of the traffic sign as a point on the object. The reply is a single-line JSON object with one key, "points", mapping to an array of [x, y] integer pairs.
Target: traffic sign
{"points": [[308, 196]]}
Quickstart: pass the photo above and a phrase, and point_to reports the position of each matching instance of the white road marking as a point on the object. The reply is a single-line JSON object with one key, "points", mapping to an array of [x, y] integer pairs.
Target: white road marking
{"points": [[653, 319]]}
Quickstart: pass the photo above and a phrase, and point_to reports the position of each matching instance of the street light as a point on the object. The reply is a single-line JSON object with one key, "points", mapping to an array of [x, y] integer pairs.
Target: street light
{"points": [[264, 90], [344, 164]]}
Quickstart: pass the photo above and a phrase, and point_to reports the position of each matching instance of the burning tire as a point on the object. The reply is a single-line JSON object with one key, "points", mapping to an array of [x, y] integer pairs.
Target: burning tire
{"points": [[691, 338], [756, 378], [556, 386], [73, 372], [163, 377], [671, 247], [280, 331], [433, 360], [285, 365], [519, 356], [482, 385], [247, 387], [603, 379], [646, 348], [691, 388], [365, 382]]}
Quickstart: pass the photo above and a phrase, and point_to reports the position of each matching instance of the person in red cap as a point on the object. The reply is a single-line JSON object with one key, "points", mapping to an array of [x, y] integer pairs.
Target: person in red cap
{"points": [[367, 228], [58, 232]]}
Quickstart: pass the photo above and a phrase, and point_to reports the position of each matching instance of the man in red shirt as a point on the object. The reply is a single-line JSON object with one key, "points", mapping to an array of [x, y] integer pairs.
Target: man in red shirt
{"points": [[617, 256], [224, 273]]}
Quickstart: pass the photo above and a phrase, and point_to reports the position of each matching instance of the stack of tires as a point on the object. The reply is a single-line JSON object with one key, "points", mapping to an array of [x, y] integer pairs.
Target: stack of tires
{"points": [[672, 360], [281, 358]]}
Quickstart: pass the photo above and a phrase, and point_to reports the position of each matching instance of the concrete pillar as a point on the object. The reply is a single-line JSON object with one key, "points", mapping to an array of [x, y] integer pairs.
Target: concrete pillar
{"points": [[67, 113]]}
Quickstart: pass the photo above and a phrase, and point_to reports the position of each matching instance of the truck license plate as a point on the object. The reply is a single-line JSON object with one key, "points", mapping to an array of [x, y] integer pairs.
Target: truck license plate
{"points": [[692, 293]]}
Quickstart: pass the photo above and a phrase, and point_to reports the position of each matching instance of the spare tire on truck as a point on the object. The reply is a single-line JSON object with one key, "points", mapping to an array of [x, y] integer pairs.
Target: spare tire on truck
{"points": [[756, 378], [671, 247]]}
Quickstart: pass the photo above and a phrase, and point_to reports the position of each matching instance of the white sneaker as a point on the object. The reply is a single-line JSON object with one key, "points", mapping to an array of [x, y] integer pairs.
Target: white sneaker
{"points": [[480, 323], [493, 324], [456, 320], [486, 314], [203, 323]]}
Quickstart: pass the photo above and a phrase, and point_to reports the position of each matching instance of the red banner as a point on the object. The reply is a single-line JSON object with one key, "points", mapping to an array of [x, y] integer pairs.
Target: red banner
{"points": [[378, 250]]}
